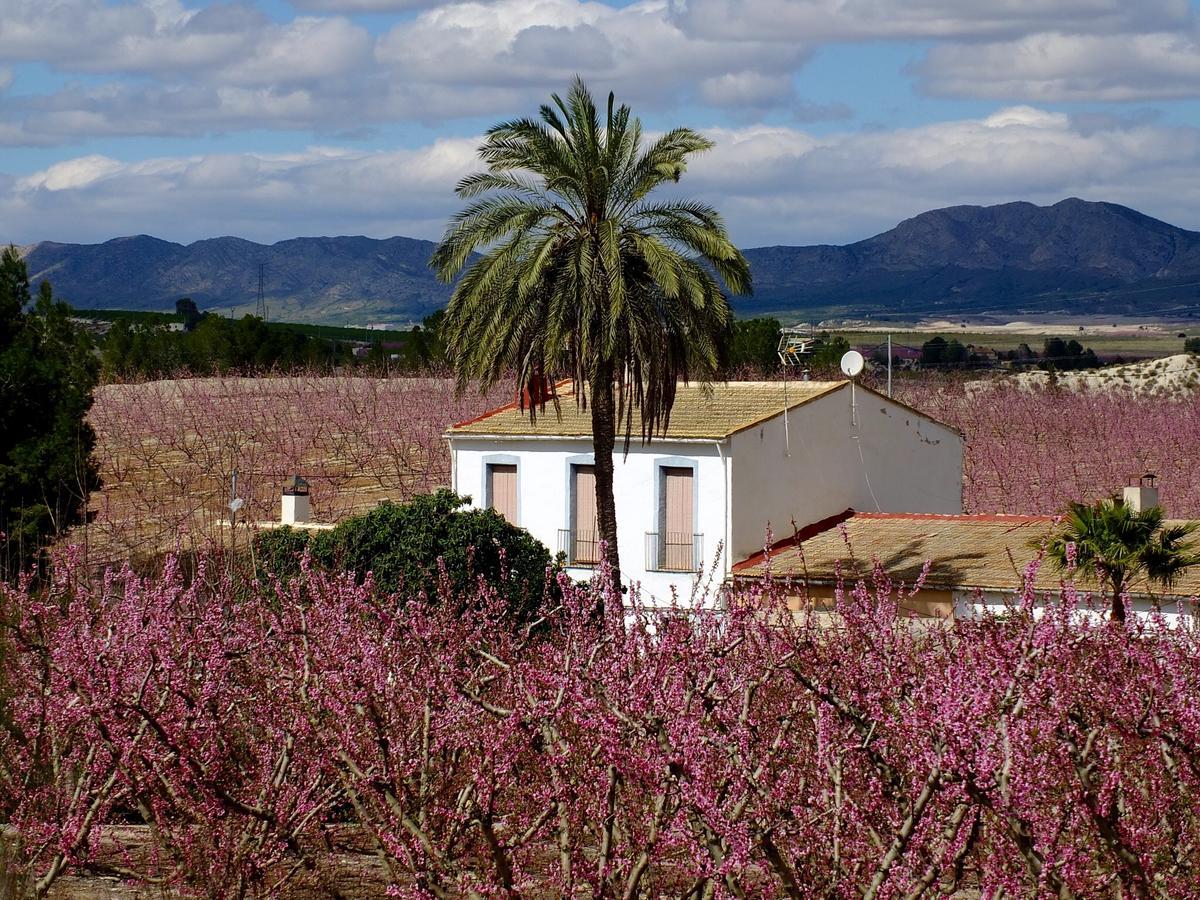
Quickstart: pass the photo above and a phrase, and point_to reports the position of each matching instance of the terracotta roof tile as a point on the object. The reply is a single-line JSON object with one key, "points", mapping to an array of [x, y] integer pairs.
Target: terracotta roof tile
{"points": [[701, 411], [965, 552]]}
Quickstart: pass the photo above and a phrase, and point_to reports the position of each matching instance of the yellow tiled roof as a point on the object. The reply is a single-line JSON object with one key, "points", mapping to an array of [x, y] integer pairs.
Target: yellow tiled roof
{"points": [[700, 411], [988, 552]]}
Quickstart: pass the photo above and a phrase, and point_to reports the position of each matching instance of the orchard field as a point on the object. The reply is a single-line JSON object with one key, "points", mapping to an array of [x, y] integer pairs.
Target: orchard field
{"points": [[168, 449], [197, 731], [268, 740]]}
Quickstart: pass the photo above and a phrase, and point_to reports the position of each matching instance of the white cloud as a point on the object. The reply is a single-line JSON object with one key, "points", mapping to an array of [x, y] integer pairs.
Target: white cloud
{"points": [[747, 89], [536, 45], [366, 6], [232, 43], [774, 184], [316, 191], [1056, 67], [163, 68], [227, 67], [841, 20], [71, 174]]}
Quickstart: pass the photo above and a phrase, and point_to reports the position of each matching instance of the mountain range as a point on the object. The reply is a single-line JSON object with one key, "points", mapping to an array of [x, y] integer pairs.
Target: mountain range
{"points": [[1075, 256]]}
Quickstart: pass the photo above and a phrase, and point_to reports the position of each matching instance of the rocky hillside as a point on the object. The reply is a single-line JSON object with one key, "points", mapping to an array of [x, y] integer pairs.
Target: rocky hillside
{"points": [[1170, 376], [1017, 257], [1074, 256]]}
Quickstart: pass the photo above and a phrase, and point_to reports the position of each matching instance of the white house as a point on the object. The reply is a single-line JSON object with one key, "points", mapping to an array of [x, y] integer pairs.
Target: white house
{"points": [[738, 460]]}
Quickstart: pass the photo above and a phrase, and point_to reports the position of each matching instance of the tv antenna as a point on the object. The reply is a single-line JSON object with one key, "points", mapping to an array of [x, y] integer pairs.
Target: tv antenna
{"points": [[261, 309], [796, 343]]}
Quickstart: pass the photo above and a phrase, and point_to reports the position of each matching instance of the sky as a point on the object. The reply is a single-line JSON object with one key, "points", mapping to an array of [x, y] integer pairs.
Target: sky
{"points": [[833, 119]]}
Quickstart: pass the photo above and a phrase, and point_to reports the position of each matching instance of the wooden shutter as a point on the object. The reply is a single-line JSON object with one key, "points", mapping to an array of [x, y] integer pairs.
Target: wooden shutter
{"points": [[679, 522], [585, 538], [502, 489]]}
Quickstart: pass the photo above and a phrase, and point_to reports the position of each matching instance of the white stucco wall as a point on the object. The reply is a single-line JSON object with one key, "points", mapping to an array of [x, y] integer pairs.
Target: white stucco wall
{"points": [[1175, 612], [543, 496], [888, 459]]}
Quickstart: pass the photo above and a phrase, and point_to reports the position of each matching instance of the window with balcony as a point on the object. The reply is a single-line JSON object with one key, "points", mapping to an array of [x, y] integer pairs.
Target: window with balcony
{"points": [[581, 541], [675, 547]]}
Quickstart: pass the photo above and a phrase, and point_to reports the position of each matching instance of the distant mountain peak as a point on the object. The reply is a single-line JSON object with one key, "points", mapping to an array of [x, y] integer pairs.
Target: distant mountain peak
{"points": [[1083, 255], [1011, 256], [344, 279]]}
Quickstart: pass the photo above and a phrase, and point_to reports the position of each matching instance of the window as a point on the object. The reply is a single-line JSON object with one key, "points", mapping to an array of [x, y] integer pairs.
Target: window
{"points": [[502, 490], [584, 547], [678, 519]]}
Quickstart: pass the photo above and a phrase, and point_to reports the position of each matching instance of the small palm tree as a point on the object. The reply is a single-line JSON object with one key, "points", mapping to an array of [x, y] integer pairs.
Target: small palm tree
{"points": [[1117, 544], [583, 275]]}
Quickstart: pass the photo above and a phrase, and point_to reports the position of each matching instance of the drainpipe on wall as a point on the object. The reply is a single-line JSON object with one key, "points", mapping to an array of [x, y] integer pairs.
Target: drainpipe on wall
{"points": [[727, 547]]}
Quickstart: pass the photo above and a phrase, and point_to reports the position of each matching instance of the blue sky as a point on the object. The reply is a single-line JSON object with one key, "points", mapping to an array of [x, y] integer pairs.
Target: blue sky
{"points": [[834, 118]]}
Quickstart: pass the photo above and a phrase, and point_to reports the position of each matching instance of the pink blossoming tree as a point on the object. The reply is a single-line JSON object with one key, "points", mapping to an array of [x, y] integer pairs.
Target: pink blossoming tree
{"points": [[262, 734]]}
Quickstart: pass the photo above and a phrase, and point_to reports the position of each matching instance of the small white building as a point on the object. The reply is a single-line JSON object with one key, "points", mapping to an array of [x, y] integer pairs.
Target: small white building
{"points": [[967, 565], [738, 461]]}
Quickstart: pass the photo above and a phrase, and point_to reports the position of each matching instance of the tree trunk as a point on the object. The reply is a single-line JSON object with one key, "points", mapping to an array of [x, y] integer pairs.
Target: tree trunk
{"points": [[1118, 599], [604, 430]]}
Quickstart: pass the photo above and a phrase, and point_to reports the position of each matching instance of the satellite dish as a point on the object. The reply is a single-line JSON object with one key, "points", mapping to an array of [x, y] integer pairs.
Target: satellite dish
{"points": [[852, 363]]}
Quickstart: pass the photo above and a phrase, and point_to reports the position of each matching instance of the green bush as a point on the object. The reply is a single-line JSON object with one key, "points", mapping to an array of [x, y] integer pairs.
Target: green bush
{"points": [[1192, 345], [278, 551], [401, 543]]}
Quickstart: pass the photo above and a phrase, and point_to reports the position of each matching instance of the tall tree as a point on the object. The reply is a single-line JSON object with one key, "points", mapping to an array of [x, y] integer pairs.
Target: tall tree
{"points": [[1117, 545], [582, 274], [47, 371]]}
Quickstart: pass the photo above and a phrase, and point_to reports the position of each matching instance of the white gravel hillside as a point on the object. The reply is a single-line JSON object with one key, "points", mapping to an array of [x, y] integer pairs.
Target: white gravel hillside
{"points": [[1168, 376]]}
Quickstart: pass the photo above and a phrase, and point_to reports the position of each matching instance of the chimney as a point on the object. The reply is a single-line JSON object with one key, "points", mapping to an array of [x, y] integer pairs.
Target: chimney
{"points": [[536, 392], [295, 504], [1142, 495]]}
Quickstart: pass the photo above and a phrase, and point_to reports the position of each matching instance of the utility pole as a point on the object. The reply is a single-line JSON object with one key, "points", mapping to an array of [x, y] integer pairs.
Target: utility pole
{"points": [[261, 309], [889, 367]]}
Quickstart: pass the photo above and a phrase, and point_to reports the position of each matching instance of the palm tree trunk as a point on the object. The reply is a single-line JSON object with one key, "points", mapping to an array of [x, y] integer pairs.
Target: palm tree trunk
{"points": [[1118, 599], [604, 430]]}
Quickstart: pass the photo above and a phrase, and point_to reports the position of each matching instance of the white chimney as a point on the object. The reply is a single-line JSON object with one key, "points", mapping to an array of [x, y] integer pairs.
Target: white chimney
{"points": [[295, 504], [1142, 495]]}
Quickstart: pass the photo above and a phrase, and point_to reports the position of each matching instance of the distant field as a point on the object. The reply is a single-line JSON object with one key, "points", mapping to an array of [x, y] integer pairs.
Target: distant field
{"points": [[136, 316], [325, 332], [168, 450], [344, 333], [1132, 345], [1122, 340]]}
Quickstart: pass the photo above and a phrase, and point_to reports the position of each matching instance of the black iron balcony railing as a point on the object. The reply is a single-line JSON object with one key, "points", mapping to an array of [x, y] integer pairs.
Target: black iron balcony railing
{"points": [[668, 551], [582, 548]]}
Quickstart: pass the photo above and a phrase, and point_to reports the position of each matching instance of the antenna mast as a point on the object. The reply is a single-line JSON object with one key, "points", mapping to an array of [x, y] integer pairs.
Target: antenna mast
{"points": [[261, 309]]}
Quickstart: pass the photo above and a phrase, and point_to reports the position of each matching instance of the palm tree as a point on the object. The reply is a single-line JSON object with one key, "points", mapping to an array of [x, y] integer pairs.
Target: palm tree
{"points": [[583, 275], [1117, 544]]}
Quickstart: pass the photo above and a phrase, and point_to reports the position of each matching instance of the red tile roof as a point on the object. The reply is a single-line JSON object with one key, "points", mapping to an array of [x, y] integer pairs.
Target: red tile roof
{"points": [[964, 552]]}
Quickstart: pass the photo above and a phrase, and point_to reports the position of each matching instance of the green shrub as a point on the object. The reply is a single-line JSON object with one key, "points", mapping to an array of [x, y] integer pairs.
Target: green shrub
{"points": [[1192, 345], [401, 543], [278, 551]]}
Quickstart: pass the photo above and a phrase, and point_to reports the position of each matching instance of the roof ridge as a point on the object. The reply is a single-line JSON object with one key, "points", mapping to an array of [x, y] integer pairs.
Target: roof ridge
{"points": [[958, 517]]}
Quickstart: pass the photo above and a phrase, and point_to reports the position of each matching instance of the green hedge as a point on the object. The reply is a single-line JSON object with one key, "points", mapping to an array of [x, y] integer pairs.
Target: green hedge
{"points": [[401, 543]]}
